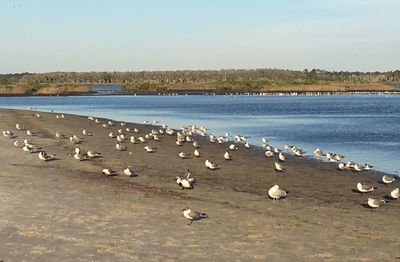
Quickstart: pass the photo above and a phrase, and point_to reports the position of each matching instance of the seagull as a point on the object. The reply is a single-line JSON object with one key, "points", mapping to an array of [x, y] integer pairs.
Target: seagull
{"points": [[275, 193], [141, 139], [282, 158], [233, 147], [105, 125], [97, 121], [368, 167], [74, 139], [193, 215], [196, 144], [395, 194], [247, 145], [179, 142], [86, 133], [45, 157], [109, 172], [357, 168], [278, 167], [129, 172], [149, 149], [123, 124], [18, 144], [19, 127], [364, 188], [59, 136], [211, 165], [120, 147], [196, 153], [79, 156], [133, 140], [269, 153], [185, 182], [111, 123], [112, 135], [318, 153], [29, 133], [343, 166], [93, 154], [388, 179], [374, 203], [264, 140], [227, 156], [184, 155], [8, 134]]}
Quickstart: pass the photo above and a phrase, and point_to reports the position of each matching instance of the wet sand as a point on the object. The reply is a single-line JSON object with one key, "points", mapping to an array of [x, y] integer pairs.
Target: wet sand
{"points": [[66, 210]]}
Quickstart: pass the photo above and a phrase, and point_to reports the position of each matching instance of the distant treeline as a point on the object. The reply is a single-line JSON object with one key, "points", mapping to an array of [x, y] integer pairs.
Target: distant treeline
{"points": [[240, 79]]}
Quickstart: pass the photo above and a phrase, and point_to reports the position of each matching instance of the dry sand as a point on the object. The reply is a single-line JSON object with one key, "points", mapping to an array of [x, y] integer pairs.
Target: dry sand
{"points": [[65, 210]]}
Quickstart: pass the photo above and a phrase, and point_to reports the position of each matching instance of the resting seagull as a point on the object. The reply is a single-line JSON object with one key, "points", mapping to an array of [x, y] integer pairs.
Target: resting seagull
{"points": [[193, 215], [275, 193], [109, 172], [45, 157], [387, 179], [149, 149], [374, 203], [364, 188], [184, 155], [129, 172], [395, 194]]}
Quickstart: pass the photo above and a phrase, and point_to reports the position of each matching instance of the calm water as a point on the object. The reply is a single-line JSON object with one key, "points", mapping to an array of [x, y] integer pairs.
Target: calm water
{"points": [[365, 129]]}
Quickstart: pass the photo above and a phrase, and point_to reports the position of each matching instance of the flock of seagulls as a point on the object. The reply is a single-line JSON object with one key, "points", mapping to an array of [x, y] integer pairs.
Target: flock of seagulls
{"points": [[188, 134]]}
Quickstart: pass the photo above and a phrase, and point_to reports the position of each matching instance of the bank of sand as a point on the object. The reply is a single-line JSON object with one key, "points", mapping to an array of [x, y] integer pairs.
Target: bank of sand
{"points": [[65, 210]]}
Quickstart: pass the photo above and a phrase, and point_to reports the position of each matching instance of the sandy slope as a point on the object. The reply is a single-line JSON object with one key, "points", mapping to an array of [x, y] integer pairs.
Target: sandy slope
{"points": [[65, 210]]}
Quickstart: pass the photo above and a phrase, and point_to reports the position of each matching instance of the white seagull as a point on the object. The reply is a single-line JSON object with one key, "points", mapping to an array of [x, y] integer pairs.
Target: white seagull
{"points": [[279, 167], [149, 149], [183, 155], [129, 172], [120, 147], [193, 215], [275, 193], [364, 188], [395, 194], [45, 157], [196, 153], [282, 157], [374, 203], [388, 179], [227, 156], [86, 133]]}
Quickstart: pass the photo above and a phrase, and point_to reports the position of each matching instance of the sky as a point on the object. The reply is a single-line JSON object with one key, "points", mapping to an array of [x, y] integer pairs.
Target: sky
{"points": [[137, 35]]}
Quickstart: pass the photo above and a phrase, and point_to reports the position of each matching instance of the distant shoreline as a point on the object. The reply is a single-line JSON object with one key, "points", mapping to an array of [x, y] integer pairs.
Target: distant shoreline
{"points": [[183, 93]]}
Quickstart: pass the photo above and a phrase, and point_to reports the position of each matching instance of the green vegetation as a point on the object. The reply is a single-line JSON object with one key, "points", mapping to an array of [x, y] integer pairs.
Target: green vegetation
{"points": [[265, 80]]}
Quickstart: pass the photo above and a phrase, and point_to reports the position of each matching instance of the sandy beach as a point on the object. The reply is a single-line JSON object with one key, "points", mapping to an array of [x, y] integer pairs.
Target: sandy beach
{"points": [[67, 210]]}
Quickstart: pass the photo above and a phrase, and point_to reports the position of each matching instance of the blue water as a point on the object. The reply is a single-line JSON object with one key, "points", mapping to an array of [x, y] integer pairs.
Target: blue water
{"points": [[365, 128]]}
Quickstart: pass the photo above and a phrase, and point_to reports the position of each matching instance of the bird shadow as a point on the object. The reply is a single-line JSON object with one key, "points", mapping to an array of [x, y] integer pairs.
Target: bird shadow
{"points": [[387, 197], [366, 206]]}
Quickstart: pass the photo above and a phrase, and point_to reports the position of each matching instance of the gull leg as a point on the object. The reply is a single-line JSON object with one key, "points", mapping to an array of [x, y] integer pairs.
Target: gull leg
{"points": [[191, 221]]}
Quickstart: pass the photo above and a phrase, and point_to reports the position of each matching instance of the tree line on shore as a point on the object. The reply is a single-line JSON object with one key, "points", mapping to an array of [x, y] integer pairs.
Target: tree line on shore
{"points": [[223, 80]]}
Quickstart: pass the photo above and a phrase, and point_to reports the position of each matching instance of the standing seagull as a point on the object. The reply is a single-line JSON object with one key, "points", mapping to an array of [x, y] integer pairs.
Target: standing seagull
{"points": [[193, 215], [279, 167], [275, 193]]}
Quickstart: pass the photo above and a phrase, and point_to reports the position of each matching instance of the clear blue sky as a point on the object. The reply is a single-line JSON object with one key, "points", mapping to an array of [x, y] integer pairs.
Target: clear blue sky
{"points": [[133, 35]]}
